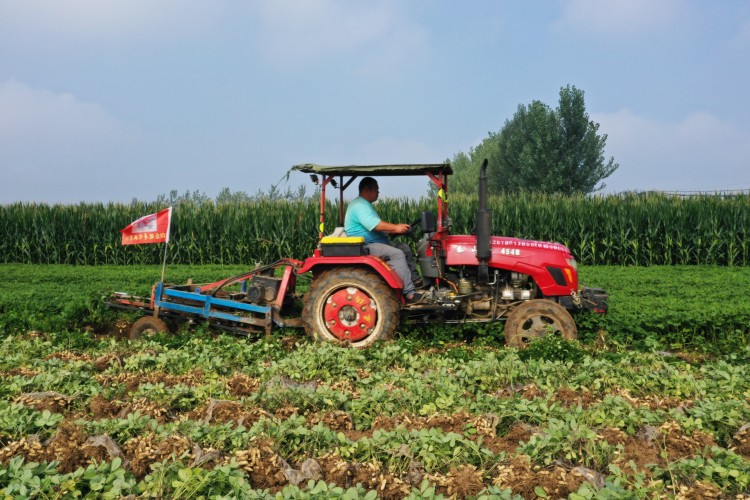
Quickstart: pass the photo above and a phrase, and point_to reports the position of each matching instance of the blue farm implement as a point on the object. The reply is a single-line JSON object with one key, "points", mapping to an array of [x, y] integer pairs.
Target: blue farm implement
{"points": [[247, 303]]}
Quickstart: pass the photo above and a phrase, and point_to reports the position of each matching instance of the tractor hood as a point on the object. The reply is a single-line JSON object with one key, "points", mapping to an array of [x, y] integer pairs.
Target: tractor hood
{"points": [[538, 259], [461, 250]]}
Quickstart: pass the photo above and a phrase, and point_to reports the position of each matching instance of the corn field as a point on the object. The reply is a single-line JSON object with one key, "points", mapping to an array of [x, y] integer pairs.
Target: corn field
{"points": [[640, 230]]}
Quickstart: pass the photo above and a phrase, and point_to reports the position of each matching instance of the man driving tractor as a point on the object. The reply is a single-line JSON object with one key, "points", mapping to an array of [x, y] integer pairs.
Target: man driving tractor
{"points": [[363, 220]]}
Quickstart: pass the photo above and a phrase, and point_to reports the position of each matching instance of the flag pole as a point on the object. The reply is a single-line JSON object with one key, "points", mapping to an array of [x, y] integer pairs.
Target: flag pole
{"points": [[166, 244], [164, 264]]}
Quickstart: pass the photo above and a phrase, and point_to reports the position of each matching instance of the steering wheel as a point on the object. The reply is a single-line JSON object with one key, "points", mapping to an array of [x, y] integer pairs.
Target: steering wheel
{"points": [[413, 226]]}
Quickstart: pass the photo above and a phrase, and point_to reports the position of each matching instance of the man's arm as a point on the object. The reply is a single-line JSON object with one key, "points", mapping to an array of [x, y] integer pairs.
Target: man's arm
{"points": [[387, 227], [364, 214]]}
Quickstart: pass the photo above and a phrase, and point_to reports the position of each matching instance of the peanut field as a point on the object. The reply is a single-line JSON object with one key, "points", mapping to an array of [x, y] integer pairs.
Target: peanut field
{"points": [[652, 402]]}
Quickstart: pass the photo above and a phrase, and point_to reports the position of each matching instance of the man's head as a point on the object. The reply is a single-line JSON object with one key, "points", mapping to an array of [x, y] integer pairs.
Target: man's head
{"points": [[368, 189]]}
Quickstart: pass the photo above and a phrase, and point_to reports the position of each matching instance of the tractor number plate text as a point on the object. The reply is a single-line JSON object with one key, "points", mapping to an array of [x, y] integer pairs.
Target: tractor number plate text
{"points": [[510, 251]]}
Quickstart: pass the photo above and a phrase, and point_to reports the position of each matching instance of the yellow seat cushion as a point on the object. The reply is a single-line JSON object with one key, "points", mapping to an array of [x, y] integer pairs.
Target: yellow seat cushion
{"points": [[339, 240]]}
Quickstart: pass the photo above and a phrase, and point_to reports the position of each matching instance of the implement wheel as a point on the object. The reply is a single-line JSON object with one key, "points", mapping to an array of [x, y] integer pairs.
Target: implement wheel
{"points": [[535, 319], [351, 306], [146, 326]]}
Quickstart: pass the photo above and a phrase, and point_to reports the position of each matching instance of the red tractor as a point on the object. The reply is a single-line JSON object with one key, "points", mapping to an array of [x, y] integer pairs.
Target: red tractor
{"points": [[355, 298]]}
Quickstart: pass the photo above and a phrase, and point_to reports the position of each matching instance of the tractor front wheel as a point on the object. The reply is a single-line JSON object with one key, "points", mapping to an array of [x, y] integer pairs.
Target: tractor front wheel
{"points": [[352, 306], [535, 319], [146, 326]]}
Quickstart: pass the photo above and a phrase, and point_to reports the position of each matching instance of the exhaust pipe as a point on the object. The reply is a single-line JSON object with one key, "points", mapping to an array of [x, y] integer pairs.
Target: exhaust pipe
{"points": [[484, 227]]}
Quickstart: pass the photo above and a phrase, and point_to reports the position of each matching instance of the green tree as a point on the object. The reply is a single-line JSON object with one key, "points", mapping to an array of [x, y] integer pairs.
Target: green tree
{"points": [[174, 198], [466, 167], [541, 149], [582, 162], [227, 196]]}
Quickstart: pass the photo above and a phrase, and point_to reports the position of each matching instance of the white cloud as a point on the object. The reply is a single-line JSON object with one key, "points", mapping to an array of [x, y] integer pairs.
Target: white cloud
{"points": [[52, 142], [618, 16], [301, 32], [105, 19], [701, 152], [26, 113]]}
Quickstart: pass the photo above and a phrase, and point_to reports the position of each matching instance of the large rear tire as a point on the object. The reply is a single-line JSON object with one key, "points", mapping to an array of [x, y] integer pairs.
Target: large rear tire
{"points": [[350, 306], [146, 326], [535, 319]]}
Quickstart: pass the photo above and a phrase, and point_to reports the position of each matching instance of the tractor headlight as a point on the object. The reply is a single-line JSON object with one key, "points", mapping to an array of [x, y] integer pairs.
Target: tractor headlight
{"points": [[572, 269]]}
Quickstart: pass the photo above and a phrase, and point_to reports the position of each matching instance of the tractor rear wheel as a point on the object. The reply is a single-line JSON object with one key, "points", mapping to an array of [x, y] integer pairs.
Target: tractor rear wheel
{"points": [[146, 326], [535, 319], [352, 306]]}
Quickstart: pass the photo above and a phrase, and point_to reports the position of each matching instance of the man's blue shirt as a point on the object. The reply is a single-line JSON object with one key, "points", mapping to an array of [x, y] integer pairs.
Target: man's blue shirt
{"points": [[361, 218]]}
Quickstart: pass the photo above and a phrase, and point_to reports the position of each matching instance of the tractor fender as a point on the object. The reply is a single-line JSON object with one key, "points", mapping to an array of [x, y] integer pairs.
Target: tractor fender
{"points": [[318, 264]]}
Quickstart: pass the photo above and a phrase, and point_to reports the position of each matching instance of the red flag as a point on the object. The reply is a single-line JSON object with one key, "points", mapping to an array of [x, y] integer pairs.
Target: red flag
{"points": [[152, 228]]}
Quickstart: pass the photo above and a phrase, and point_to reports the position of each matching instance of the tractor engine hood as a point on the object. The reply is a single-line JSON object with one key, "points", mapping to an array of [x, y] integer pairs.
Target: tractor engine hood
{"points": [[461, 250], [550, 264]]}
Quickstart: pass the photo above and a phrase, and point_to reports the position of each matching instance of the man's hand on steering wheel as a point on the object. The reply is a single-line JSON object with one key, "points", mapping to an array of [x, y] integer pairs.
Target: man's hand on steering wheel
{"points": [[413, 226]]}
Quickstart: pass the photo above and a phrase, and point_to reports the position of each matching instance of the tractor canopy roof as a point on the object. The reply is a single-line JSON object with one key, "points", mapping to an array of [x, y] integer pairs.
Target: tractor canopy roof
{"points": [[376, 170]]}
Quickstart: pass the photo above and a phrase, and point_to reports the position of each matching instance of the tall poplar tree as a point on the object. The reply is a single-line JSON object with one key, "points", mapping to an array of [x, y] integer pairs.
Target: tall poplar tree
{"points": [[542, 149]]}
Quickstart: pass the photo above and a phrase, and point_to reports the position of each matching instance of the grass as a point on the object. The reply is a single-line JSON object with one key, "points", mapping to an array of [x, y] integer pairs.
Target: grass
{"points": [[661, 307]]}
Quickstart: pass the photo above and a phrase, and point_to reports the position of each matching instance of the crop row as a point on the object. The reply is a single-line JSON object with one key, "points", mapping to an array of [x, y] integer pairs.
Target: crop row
{"points": [[601, 230], [676, 306], [186, 416]]}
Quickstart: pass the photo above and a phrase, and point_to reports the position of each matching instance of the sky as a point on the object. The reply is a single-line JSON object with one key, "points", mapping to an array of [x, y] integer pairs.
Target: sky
{"points": [[105, 100]]}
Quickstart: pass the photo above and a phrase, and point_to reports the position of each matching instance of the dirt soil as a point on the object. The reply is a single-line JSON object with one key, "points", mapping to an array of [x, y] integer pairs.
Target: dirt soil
{"points": [[521, 477]]}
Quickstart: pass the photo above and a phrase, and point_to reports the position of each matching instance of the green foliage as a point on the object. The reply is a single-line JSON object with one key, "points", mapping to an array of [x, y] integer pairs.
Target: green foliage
{"points": [[17, 421], [631, 229], [107, 480], [58, 299], [122, 429], [620, 484], [174, 198], [274, 193], [202, 233], [672, 308], [229, 436], [541, 150], [731, 472], [553, 347], [175, 480], [435, 449], [653, 308], [670, 304], [570, 441], [322, 490], [615, 411], [466, 166], [27, 480], [721, 418]]}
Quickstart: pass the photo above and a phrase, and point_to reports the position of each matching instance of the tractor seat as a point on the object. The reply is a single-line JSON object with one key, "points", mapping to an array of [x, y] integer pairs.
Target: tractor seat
{"points": [[338, 244]]}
